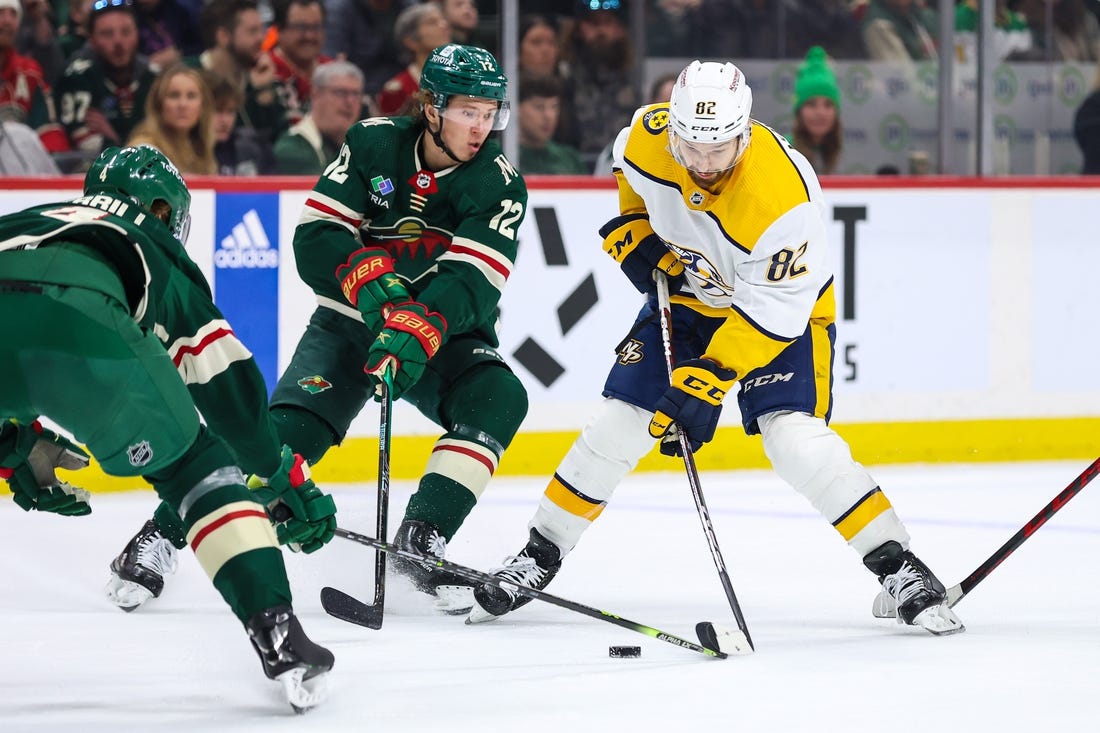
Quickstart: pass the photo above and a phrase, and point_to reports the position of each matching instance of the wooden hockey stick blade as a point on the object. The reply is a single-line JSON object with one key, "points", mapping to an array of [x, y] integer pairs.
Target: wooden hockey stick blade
{"points": [[339, 604], [723, 638]]}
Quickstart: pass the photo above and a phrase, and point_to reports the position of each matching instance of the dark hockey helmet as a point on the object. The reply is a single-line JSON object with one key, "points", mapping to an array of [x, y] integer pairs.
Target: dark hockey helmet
{"points": [[469, 71], [145, 176]]}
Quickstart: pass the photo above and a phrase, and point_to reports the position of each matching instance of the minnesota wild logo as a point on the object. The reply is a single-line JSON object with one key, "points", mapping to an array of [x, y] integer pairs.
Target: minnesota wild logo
{"points": [[314, 384]]}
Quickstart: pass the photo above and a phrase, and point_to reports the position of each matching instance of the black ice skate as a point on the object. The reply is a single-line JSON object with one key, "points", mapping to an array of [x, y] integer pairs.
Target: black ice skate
{"points": [[910, 591], [534, 567], [289, 657], [137, 574], [453, 594]]}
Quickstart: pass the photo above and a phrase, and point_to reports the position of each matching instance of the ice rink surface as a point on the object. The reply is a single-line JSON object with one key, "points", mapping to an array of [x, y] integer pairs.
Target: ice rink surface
{"points": [[1029, 660]]}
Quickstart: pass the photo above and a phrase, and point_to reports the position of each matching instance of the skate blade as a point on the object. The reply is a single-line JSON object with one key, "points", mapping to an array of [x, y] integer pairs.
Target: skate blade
{"points": [[479, 615], [939, 620], [126, 594], [454, 600], [303, 694], [884, 606]]}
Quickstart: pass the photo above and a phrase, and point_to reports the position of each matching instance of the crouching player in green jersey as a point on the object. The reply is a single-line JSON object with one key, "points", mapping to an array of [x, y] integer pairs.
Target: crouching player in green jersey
{"points": [[105, 324]]}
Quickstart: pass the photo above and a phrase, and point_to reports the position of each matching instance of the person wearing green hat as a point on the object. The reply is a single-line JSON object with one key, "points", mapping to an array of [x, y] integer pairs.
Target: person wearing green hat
{"points": [[817, 131]]}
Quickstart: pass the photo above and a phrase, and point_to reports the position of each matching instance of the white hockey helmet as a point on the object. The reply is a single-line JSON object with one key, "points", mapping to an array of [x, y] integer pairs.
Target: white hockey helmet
{"points": [[708, 121]]}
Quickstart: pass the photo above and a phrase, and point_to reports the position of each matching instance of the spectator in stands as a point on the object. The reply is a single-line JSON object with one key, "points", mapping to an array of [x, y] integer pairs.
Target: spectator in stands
{"points": [[73, 35], [463, 18], [179, 121], [659, 91], [600, 96], [539, 108], [362, 30], [817, 131], [297, 52], [418, 31], [38, 39], [22, 152], [1074, 37], [1011, 32], [167, 32], [101, 98], [234, 40], [1086, 128], [24, 94], [900, 30], [238, 149], [773, 29], [539, 46], [336, 103]]}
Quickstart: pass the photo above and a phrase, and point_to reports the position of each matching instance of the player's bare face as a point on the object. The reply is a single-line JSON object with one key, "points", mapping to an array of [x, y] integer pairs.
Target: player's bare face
{"points": [[467, 121], [707, 163]]}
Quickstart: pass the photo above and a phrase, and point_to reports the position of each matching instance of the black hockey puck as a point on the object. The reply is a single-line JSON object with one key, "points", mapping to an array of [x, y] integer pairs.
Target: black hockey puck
{"points": [[624, 651]]}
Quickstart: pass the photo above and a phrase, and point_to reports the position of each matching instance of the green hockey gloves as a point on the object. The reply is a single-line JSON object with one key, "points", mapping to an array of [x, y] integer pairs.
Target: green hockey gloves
{"points": [[631, 241], [369, 283], [694, 402], [29, 455], [410, 337], [303, 515]]}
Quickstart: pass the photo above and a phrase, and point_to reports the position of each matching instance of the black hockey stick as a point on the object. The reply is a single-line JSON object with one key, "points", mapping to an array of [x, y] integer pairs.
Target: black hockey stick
{"points": [[352, 609], [705, 629], [957, 592], [371, 616]]}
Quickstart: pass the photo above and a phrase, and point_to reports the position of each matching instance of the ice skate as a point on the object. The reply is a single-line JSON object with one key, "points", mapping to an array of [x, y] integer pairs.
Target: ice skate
{"points": [[289, 657], [453, 595], [534, 567], [911, 593], [138, 573]]}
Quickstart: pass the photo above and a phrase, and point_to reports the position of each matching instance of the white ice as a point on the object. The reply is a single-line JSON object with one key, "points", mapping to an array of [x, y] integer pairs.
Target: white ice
{"points": [[1029, 660]]}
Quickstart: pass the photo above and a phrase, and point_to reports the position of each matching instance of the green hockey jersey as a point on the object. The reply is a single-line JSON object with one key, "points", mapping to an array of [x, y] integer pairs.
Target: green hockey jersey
{"points": [[452, 233], [166, 293]]}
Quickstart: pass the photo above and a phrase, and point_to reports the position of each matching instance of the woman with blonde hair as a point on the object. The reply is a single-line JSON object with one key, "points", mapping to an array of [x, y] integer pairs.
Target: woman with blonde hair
{"points": [[179, 120]]}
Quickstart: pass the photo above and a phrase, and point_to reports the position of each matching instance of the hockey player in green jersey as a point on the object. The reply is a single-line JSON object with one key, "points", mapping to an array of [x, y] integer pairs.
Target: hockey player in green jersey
{"points": [[108, 329], [408, 240]]}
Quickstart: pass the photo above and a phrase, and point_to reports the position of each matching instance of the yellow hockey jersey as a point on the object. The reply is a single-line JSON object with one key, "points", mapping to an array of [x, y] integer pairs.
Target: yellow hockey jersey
{"points": [[754, 252]]}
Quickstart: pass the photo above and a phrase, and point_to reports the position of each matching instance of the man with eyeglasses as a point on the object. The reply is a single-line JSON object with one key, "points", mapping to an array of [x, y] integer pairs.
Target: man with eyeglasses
{"points": [[297, 53], [335, 103], [100, 98]]}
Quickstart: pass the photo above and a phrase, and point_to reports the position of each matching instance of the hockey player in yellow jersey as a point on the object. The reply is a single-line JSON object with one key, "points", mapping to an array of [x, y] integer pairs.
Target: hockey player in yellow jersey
{"points": [[735, 218]]}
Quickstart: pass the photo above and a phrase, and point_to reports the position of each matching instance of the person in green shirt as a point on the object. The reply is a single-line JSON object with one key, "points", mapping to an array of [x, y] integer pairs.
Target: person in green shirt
{"points": [[336, 100], [539, 111]]}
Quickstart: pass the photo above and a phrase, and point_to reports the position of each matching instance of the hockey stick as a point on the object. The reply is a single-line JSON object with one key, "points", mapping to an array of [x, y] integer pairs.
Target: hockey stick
{"points": [[354, 610], [704, 629], [371, 616], [957, 592]]}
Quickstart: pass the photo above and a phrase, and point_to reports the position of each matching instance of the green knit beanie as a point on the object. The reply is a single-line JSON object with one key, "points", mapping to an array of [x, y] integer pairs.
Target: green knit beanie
{"points": [[815, 79]]}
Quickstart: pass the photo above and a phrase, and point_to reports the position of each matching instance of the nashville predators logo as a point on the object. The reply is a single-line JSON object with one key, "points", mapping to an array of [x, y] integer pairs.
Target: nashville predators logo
{"points": [[314, 384], [655, 120], [631, 352]]}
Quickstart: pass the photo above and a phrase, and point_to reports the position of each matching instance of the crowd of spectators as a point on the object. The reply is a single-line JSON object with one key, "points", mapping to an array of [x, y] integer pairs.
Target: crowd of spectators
{"points": [[236, 87]]}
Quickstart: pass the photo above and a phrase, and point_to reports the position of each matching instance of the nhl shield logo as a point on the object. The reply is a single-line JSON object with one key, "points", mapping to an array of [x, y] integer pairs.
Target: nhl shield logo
{"points": [[140, 454], [424, 182], [696, 198]]}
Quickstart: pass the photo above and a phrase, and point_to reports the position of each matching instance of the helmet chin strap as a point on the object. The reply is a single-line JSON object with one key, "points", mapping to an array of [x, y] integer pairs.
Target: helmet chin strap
{"points": [[437, 138]]}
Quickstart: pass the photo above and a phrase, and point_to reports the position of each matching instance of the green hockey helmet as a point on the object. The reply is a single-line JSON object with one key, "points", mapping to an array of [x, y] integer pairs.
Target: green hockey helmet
{"points": [[144, 175], [467, 71]]}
